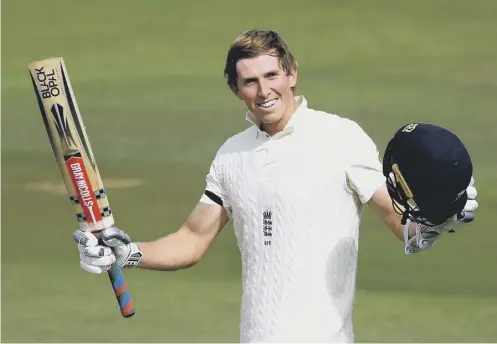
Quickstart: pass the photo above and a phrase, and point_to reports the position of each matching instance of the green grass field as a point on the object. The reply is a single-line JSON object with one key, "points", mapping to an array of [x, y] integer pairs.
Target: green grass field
{"points": [[148, 80]]}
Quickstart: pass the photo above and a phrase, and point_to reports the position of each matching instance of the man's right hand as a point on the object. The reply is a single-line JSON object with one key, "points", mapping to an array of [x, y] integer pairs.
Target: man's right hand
{"points": [[97, 256]]}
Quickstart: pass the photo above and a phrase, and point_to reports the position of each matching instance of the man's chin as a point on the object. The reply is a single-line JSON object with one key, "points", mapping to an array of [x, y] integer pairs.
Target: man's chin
{"points": [[270, 118]]}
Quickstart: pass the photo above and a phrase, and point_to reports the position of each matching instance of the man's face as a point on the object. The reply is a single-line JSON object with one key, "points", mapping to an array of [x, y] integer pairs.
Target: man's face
{"points": [[265, 88]]}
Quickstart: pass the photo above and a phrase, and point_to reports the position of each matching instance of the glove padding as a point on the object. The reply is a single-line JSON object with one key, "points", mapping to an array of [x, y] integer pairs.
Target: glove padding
{"points": [[97, 255], [426, 236]]}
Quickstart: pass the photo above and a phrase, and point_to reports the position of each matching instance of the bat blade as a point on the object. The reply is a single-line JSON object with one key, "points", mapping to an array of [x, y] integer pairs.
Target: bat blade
{"points": [[74, 156]]}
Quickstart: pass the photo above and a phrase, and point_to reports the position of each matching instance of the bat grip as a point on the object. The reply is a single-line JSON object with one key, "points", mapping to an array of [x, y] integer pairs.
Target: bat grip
{"points": [[116, 279], [121, 291]]}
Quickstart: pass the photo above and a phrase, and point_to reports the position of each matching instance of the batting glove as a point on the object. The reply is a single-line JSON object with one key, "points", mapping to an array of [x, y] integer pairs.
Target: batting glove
{"points": [[97, 255], [426, 236]]}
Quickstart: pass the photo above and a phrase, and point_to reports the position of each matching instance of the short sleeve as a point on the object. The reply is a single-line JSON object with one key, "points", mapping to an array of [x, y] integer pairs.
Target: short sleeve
{"points": [[215, 191], [365, 170]]}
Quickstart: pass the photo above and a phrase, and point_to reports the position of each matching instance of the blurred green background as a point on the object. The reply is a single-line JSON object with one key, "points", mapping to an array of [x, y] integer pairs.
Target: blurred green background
{"points": [[148, 80]]}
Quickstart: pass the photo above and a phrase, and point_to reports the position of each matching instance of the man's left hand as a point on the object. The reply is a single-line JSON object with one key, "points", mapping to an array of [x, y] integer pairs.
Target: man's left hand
{"points": [[426, 236]]}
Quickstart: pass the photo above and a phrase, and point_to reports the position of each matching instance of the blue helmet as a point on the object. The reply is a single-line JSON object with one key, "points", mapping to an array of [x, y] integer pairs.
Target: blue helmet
{"points": [[428, 169]]}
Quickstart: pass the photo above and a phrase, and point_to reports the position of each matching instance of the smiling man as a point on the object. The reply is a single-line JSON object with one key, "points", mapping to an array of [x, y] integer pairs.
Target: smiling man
{"points": [[261, 70], [294, 184]]}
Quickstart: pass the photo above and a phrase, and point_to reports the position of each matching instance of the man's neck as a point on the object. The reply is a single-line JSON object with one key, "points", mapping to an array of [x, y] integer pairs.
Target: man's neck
{"points": [[273, 128]]}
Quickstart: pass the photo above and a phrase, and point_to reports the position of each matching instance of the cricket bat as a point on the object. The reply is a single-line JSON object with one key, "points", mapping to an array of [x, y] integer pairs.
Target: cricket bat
{"points": [[73, 153]]}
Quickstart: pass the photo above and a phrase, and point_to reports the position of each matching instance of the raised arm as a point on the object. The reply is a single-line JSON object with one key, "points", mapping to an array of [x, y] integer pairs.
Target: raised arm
{"points": [[181, 249], [188, 244]]}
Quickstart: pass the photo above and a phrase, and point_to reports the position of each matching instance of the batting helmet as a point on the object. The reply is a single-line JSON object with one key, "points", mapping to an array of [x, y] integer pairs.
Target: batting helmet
{"points": [[427, 169]]}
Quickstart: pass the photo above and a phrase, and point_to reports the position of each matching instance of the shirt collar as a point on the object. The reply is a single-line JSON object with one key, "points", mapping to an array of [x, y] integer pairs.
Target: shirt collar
{"points": [[290, 126]]}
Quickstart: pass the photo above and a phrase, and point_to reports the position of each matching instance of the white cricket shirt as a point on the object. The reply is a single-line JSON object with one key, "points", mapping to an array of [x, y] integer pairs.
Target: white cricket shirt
{"points": [[295, 200]]}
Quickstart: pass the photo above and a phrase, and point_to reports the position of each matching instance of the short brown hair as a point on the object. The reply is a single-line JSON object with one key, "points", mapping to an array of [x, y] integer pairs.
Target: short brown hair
{"points": [[253, 43]]}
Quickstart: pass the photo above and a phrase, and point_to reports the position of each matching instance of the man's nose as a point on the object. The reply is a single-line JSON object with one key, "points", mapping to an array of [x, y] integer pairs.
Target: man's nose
{"points": [[264, 90]]}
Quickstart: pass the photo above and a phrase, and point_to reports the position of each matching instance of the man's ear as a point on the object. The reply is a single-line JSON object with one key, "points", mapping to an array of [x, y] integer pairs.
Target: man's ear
{"points": [[293, 77], [237, 93]]}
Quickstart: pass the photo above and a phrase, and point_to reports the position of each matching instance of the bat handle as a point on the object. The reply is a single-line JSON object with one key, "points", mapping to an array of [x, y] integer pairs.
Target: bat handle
{"points": [[117, 281], [121, 291]]}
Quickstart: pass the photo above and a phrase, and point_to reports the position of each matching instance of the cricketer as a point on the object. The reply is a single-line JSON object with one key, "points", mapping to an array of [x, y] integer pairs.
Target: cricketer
{"points": [[294, 184]]}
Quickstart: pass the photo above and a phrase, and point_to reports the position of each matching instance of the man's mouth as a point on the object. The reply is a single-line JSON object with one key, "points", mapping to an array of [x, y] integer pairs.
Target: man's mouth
{"points": [[267, 104]]}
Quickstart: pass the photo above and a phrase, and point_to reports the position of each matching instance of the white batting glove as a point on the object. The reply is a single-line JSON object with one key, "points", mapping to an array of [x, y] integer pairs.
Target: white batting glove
{"points": [[97, 256], [426, 236]]}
